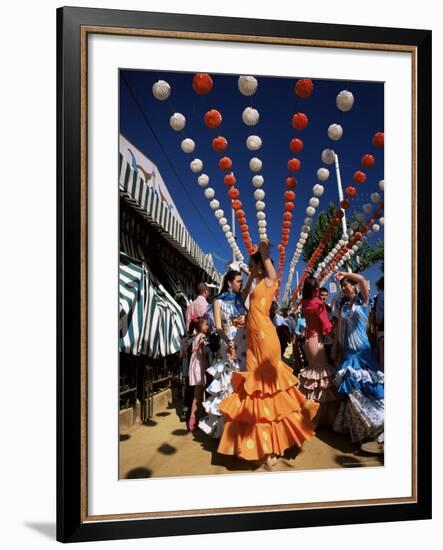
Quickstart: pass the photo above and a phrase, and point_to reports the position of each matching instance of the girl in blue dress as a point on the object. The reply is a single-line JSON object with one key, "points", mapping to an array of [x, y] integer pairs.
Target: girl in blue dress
{"points": [[359, 378], [230, 318]]}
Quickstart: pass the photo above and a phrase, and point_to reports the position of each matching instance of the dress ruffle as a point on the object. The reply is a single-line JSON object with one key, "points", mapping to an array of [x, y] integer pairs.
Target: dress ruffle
{"points": [[360, 372], [318, 384], [264, 380], [361, 417]]}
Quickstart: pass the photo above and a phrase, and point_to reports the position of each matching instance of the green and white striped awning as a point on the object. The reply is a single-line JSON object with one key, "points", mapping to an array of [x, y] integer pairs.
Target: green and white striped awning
{"points": [[148, 203], [132, 303]]}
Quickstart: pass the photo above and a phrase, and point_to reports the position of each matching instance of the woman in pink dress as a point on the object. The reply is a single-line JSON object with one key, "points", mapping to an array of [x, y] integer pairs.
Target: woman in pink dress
{"points": [[316, 381]]}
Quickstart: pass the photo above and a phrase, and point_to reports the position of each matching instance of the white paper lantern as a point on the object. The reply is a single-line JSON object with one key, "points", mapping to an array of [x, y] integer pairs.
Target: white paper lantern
{"points": [[263, 237], [299, 246], [375, 198], [258, 181], [322, 173], [334, 250], [253, 143], [222, 221], [259, 195], [376, 228], [341, 242], [335, 132], [354, 225], [305, 228], [318, 190], [161, 90], [226, 228], [255, 164], [209, 193], [355, 248], [310, 211], [229, 235], [304, 235], [260, 205], [360, 217], [262, 230], [381, 185], [261, 215], [328, 156], [177, 122], [367, 208], [188, 145], [345, 100], [214, 204], [381, 221], [203, 180], [250, 116], [247, 85], [345, 238], [231, 239], [307, 221], [369, 233], [262, 223], [313, 201], [196, 165], [219, 213], [303, 241]]}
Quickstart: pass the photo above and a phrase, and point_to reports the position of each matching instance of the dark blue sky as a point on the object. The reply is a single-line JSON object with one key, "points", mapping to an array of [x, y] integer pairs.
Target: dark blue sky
{"points": [[276, 102]]}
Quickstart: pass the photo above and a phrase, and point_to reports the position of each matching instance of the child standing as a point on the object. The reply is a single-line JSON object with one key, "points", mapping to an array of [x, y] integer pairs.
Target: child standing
{"points": [[197, 370]]}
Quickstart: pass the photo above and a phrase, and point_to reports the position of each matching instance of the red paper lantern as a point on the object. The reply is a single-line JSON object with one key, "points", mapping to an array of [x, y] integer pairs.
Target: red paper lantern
{"points": [[377, 214], [287, 216], [236, 204], [285, 242], [230, 180], [296, 145], [358, 235], [351, 191], [294, 165], [233, 193], [289, 195], [304, 87], [286, 223], [246, 236], [344, 203], [299, 121], [379, 139], [371, 222], [364, 229], [280, 247], [241, 221], [289, 206], [359, 177], [290, 183], [240, 214], [244, 227], [219, 144], [368, 161], [202, 83], [213, 118], [285, 231], [225, 164]]}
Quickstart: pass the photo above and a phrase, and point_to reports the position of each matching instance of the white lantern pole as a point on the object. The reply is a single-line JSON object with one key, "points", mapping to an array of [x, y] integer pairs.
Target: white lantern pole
{"points": [[233, 231], [340, 197]]}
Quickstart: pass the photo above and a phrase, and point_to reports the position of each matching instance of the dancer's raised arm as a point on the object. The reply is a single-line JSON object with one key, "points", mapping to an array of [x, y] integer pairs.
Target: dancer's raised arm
{"points": [[360, 280], [270, 274]]}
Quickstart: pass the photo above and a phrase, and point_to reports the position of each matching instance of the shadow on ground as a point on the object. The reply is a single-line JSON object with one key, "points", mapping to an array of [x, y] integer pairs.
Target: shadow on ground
{"points": [[139, 473]]}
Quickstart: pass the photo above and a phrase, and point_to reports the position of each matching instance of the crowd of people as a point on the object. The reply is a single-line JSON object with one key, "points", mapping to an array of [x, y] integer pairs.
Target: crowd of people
{"points": [[261, 379]]}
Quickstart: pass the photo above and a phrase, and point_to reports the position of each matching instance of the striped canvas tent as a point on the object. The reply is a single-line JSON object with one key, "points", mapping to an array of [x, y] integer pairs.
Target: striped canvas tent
{"points": [[132, 301]]}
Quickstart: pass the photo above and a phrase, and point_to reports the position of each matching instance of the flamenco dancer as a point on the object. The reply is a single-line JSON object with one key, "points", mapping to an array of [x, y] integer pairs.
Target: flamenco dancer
{"points": [[358, 376], [266, 414], [317, 379], [229, 318]]}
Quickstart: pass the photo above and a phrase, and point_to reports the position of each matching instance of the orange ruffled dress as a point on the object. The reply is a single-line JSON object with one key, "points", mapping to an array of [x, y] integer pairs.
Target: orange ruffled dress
{"points": [[266, 414]]}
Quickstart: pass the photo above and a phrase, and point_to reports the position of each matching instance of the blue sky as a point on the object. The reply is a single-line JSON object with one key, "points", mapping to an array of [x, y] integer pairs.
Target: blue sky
{"points": [[276, 102]]}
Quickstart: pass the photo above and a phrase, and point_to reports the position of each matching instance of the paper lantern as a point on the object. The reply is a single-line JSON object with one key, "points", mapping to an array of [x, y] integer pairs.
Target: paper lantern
{"points": [[296, 145], [240, 214], [236, 204], [289, 196], [361, 217], [259, 195], [214, 204], [345, 100], [203, 180], [247, 85], [286, 223], [287, 216], [253, 143], [263, 237], [262, 230], [223, 221], [213, 118], [359, 177], [294, 165], [381, 221], [368, 161], [313, 201], [225, 164], [299, 121], [375, 198], [219, 144], [328, 157], [233, 193], [260, 205], [381, 185], [196, 165], [226, 228], [290, 183], [188, 145], [161, 90], [304, 87], [219, 213], [378, 139], [250, 116], [261, 215], [209, 193], [367, 208], [335, 132], [304, 235], [262, 223], [307, 221], [318, 190], [344, 203], [376, 228], [310, 211], [255, 164], [285, 231], [351, 191], [289, 205], [177, 122], [257, 181], [202, 83], [241, 220], [230, 239], [229, 180]]}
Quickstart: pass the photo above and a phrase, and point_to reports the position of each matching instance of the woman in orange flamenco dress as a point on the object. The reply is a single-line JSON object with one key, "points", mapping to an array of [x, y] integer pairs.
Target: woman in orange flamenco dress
{"points": [[266, 414]]}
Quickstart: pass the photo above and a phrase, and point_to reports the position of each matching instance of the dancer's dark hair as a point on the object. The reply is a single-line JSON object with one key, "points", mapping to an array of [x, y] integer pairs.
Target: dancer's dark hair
{"points": [[309, 286], [228, 278]]}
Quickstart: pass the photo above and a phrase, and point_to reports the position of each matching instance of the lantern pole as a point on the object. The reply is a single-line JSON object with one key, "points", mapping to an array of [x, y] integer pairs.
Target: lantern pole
{"points": [[340, 197], [233, 231]]}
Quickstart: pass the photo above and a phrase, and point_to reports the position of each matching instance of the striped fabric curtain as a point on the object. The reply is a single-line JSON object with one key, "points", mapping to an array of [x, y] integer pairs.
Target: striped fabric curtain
{"points": [[132, 300]]}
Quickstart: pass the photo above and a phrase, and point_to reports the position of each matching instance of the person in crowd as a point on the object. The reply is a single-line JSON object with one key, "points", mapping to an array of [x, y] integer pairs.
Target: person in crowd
{"points": [[197, 370], [328, 340], [300, 333], [281, 326], [230, 319], [358, 378], [199, 307], [380, 322], [185, 355], [316, 381], [266, 413]]}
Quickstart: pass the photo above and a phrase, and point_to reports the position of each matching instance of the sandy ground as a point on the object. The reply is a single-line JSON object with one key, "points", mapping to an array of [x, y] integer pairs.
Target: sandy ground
{"points": [[164, 447]]}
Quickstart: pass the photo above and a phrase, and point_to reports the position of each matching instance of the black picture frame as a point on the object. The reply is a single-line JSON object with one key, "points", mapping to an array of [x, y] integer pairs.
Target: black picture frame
{"points": [[72, 526]]}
